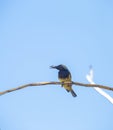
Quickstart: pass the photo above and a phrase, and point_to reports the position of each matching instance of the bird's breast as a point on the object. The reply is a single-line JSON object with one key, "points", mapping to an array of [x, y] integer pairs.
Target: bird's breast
{"points": [[63, 74]]}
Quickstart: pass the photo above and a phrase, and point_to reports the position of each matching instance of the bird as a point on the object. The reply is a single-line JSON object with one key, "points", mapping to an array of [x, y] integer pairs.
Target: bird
{"points": [[64, 76]]}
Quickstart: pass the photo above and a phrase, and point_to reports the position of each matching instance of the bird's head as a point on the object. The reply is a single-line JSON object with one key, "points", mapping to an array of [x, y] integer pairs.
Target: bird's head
{"points": [[59, 67]]}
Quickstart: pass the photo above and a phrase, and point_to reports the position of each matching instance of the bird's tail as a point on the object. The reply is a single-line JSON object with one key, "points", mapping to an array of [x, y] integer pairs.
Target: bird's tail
{"points": [[73, 93]]}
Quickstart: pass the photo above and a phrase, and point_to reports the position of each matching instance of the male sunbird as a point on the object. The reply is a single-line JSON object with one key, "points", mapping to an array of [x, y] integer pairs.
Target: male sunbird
{"points": [[64, 76]]}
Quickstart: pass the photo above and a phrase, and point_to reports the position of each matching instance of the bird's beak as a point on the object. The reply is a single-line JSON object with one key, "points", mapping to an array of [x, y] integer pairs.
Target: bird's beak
{"points": [[53, 67]]}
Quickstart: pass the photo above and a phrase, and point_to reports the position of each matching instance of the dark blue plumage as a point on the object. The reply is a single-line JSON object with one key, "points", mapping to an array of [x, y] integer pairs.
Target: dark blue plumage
{"points": [[64, 76]]}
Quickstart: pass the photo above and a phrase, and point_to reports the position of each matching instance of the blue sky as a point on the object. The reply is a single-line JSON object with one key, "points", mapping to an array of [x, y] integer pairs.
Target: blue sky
{"points": [[36, 34]]}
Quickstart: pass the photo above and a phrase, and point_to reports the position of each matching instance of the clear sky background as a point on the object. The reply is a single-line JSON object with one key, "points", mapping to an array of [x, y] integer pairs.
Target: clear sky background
{"points": [[36, 34]]}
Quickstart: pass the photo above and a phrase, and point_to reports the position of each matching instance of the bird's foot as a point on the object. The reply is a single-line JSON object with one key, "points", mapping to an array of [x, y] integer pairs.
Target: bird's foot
{"points": [[62, 84]]}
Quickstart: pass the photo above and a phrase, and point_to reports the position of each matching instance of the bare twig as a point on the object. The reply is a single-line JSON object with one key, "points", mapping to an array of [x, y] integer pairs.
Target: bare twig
{"points": [[55, 83]]}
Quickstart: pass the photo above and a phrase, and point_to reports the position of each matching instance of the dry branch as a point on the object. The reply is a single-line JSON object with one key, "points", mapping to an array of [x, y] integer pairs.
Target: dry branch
{"points": [[55, 83]]}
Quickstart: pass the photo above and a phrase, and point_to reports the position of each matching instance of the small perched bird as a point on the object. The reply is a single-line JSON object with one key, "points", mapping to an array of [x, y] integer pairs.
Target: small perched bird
{"points": [[64, 76]]}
